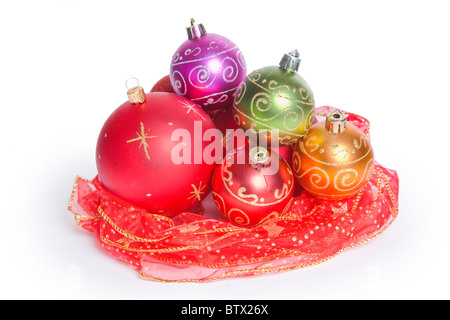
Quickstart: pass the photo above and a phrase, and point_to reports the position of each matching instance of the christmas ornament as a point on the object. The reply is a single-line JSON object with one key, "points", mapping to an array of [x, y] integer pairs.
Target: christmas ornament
{"points": [[247, 189], [286, 153], [276, 97], [135, 152], [163, 85], [207, 68], [334, 160], [195, 248], [233, 136]]}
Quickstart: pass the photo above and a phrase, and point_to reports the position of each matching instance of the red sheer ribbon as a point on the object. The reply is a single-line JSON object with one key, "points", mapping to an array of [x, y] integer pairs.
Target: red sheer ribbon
{"points": [[192, 247]]}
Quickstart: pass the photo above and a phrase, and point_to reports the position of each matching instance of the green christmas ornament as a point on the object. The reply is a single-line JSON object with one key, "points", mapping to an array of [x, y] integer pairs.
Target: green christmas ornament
{"points": [[275, 97]]}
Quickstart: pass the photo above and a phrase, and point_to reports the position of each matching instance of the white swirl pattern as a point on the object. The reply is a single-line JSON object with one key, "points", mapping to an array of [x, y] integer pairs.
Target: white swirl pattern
{"points": [[201, 76], [240, 92], [179, 83]]}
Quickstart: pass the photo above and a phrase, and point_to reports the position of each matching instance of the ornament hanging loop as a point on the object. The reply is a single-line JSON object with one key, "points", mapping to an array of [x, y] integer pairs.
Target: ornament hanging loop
{"points": [[336, 121], [291, 61], [131, 78], [259, 157], [195, 30], [135, 94]]}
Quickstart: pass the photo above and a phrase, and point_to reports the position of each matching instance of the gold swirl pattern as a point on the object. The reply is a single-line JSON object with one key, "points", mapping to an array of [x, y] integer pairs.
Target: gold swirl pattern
{"points": [[317, 178], [304, 151], [218, 200], [359, 144], [335, 151], [305, 94], [227, 179], [225, 170], [334, 166], [285, 137], [273, 100], [273, 85], [311, 142], [238, 216], [349, 179], [284, 192], [294, 119], [262, 103], [254, 76], [297, 94], [264, 99], [296, 163], [245, 196]]}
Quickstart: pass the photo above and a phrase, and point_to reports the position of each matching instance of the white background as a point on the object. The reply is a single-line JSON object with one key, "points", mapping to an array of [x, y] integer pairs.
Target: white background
{"points": [[63, 67]]}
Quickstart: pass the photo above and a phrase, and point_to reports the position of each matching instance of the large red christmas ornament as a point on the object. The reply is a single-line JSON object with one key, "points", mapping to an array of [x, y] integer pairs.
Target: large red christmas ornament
{"points": [[207, 68], [335, 159], [137, 158], [248, 189]]}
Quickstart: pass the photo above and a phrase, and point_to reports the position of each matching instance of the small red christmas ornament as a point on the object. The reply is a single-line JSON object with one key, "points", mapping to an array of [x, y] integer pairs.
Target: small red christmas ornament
{"points": [[252, 185], [163, 85], [136, 158]]}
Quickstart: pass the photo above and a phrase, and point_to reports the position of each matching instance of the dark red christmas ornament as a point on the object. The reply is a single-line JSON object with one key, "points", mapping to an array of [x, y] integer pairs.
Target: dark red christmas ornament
{"points": [[233, 136], [252, 185], [163, 85], [138, 159]]}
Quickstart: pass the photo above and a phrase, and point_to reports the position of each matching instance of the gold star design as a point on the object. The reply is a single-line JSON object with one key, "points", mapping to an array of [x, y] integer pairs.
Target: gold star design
{"points": [[142, 138], [196, 194], [273, 229], [191, 107]]}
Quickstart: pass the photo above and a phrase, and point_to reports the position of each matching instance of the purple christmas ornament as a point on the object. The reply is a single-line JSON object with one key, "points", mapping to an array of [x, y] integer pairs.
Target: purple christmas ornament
{"points": [[207, 68]]}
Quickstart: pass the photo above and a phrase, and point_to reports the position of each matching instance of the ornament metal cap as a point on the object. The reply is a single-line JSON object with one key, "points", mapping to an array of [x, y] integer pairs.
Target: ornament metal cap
{"points": [[135, 94], [259, 157], [195, 30], [336, 121], [291, 61]]}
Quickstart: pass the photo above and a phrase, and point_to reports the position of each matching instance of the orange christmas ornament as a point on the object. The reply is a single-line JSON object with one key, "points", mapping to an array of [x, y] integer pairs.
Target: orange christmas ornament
{"points": [[335, 159]]}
